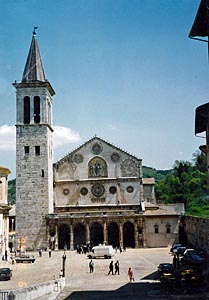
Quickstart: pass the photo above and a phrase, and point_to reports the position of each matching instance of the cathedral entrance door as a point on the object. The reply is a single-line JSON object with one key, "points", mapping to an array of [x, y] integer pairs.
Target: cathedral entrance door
{"points": [[64, 237], [79, 235], [113, 234], [96, 234], [128, 235]]}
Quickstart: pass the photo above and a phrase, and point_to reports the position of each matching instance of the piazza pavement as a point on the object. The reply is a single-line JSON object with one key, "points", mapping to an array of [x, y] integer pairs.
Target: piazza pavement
{"points": [[81, 284]]}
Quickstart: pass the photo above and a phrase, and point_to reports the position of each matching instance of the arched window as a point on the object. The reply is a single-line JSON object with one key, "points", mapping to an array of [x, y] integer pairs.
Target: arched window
{"points": [[26, 110], [36, 109], [97, 167]]}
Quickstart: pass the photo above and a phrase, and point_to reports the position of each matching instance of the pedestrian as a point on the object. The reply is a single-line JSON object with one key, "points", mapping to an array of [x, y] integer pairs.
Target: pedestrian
{"points": [[91, 266], [50, 253], [61, 274], [130, 275], [40, 252], [111, 268], [5, 254], [120, 249], [117, 268]]}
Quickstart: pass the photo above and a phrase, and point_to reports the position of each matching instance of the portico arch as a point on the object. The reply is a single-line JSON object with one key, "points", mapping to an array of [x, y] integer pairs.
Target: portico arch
{"points": [[113, 234], [64, 236], [79, 233], [128, 235], [96, 234]]}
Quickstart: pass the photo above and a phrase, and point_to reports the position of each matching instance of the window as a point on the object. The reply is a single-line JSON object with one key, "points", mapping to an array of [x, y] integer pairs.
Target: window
{"points": [[27, 150], [37, 150], [168, 228], [156, 228], [130, 189], [112, 190], [36, 109], [26, 110], [42, 173]]}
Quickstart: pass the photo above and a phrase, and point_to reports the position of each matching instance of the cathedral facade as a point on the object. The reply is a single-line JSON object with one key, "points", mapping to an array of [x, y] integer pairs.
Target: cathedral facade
{"points": [[95, 194]]}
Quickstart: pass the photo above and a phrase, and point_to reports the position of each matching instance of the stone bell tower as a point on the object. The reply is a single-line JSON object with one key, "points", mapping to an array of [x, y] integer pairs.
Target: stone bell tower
{"points": [[34, 153]]}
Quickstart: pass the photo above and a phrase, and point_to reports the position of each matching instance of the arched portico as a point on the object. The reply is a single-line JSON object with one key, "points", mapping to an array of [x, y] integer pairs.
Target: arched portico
{"points": [[64, 236], [96, 234], [113, 234], [128, 235], [79, 233]]}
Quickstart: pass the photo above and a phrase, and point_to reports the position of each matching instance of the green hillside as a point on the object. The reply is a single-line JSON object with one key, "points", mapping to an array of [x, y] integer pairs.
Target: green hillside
{"points": [[158, 175]]}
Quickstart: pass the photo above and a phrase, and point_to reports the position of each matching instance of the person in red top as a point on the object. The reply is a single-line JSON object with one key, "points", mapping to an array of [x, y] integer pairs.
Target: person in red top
{"points": [[130, 275]]}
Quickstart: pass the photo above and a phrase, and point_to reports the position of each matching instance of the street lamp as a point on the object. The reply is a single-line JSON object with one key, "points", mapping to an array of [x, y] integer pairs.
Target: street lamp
{"points": [[63, 264]]}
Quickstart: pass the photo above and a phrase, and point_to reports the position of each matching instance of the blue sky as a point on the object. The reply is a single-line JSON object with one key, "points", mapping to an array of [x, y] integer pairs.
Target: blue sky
{"points": [[124, 70]]}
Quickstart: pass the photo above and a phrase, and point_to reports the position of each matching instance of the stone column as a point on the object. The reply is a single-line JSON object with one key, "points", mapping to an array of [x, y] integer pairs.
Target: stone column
{"points": [[47, 234], [56, 237], [136, 235], [144, 237], [105, 232], [71, 238], [121, 234], [87, 233]]}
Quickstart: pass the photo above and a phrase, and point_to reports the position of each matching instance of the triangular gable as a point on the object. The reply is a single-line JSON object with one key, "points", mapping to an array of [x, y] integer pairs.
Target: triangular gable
{"points": [[94, 139]]}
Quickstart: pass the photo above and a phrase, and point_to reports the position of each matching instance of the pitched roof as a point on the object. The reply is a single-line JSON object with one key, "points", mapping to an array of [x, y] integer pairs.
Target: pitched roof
{"points": [[33, 68], [102, 140], [201, 22]]}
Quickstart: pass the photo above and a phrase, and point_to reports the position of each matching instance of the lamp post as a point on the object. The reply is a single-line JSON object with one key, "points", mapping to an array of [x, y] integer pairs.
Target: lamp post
{"points": [[63, 264]]}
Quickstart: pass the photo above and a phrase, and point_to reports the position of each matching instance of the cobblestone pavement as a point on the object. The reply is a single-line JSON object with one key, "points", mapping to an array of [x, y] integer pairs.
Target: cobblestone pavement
{"points": [[81, 285]]}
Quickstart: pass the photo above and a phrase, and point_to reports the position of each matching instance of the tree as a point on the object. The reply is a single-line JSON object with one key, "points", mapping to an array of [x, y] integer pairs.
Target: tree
{"points": [[187, 183]]}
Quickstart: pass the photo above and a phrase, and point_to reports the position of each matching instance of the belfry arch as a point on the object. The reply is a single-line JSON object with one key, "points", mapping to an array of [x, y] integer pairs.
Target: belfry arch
{"points": [[113, 234], [96, 234], [64, 236], [128, 235]]}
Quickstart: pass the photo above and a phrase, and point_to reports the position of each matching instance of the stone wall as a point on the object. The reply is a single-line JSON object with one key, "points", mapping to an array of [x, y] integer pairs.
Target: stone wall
{"points": [[194, 232]]}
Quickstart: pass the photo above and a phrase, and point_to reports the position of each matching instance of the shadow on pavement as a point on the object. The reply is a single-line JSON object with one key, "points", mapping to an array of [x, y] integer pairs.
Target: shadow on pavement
{"points": [[135, 291]]}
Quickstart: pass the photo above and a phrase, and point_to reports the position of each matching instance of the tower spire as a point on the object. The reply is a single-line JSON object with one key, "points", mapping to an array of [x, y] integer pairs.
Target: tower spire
{"points": [[34, 70]]}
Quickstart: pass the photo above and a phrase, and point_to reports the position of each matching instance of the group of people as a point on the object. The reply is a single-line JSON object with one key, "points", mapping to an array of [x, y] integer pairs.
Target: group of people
{"points": [[83, 249], [112, 270]]}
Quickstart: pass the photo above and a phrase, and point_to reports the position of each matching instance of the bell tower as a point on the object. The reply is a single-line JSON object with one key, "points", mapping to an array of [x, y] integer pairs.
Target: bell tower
{"points": [[34, 152]]}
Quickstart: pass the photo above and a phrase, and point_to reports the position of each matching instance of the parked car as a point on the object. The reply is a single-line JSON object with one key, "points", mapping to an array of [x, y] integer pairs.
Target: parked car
{"points": [[5, 273], [191, 256], [165, 268], [25, 258], [174, 247], [189, 252], [180, 250], [193, 259]]}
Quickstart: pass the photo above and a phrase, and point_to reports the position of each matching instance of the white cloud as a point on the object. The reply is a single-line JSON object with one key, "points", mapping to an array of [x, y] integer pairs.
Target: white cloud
{"points": [[7, 137], [64, 135], [61, 136]]}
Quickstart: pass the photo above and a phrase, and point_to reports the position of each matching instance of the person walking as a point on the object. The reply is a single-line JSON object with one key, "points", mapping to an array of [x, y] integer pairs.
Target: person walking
{"points": [[91, 266], [111, 268], [130, 275], [50, 253], [117, 268], [6, 255]]}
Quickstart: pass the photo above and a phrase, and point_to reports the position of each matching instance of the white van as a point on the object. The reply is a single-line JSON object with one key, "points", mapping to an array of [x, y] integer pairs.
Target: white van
{"points": [[101, 251]]}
